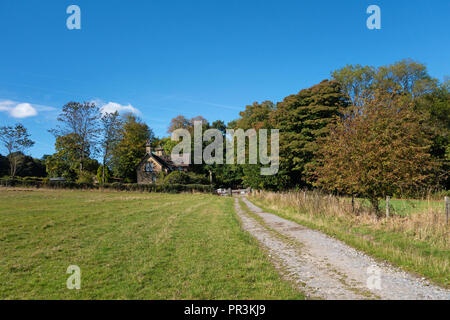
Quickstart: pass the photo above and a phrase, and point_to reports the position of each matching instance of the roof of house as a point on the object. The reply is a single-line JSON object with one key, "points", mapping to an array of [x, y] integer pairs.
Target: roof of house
{"points": [[163, 161]]}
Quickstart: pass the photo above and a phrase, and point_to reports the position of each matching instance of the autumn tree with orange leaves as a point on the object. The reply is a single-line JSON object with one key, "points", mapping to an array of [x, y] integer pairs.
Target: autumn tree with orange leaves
{"points": [[376, 149]]}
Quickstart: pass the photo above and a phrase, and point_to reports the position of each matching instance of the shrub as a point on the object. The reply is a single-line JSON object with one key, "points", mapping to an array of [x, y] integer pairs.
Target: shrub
{"points": [[177, 177], [100, 174], [181, 177], [117, 186], [195, 178], [85, 177]]}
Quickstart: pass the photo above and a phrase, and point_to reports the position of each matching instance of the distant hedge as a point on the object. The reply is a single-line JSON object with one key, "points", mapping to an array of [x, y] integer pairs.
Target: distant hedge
{"points": [[167, 188]]}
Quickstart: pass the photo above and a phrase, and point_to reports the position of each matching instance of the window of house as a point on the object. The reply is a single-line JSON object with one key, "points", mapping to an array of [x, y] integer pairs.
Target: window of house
{"points": [[149, 167]]}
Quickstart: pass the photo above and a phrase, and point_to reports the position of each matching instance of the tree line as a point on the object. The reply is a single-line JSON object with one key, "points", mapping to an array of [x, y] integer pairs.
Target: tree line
{"points": [[367, 131]]}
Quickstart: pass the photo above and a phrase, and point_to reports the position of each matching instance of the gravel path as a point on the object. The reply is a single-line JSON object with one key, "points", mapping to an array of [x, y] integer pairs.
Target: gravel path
{"points": [[326, 268]]}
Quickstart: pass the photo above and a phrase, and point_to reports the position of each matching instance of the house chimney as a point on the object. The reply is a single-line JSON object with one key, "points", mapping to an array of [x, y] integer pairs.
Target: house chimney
{"points": [[148, 147], [159, 151]]}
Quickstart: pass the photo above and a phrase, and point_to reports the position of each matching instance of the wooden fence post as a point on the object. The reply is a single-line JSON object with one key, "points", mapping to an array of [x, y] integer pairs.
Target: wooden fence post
{"points": [[446, 207], [353, 203], [387, 206]]}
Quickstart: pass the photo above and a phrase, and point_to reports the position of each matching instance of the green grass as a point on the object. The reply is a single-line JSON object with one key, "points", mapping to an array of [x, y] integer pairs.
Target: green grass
{"points": [[406, 207], [425, 257], [130, 246]]}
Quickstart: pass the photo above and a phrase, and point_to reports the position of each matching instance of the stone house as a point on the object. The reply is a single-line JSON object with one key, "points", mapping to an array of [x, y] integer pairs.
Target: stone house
{"points": [[155, 165]]}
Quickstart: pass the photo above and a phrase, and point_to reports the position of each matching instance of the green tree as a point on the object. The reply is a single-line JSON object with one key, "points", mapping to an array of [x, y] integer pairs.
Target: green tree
{"points": [[177, 177], [166, 144], [31, 167], [15, 140], [406, 76], [65, 162], [111, 126], [57, 167], [255, 116], [80, 122], [356, 82], [302, 119], [129, 150], [219, 125], [103, 174], [435, 106], [4, 166], [180, 177], [227, 175], [181, 122]]}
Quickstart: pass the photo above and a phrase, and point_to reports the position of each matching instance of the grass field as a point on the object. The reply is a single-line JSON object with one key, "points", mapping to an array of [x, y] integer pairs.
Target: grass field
{"points": [[130, 246], [405, 207], [415, 238]]}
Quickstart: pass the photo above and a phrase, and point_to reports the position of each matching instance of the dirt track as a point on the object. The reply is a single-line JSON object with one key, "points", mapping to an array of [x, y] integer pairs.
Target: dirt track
{"points": [[323, 267]]}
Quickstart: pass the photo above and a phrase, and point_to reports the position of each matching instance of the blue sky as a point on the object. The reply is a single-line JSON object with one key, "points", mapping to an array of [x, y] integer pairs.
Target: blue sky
{"points": [[210, 58]]}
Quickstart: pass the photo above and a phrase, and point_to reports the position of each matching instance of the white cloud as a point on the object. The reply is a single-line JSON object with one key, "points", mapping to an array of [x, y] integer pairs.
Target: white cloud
{"points": [[112, 107], [18, 110], [23, 110], [6, 105]]}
